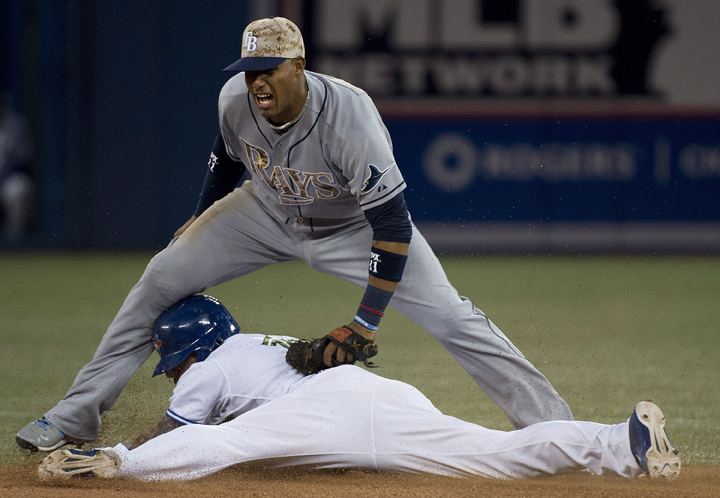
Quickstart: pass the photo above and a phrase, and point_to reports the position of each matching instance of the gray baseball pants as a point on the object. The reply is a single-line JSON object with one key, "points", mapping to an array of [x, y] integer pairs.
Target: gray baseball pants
{"points": [[238, 235]]}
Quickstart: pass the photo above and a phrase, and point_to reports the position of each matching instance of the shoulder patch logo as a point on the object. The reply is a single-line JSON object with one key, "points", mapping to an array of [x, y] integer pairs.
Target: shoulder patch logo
{"points": [[374, 177]]}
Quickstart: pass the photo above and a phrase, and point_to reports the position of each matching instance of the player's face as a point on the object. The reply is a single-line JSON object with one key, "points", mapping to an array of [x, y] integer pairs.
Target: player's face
{"points": [[279, 93], [176, 372]]}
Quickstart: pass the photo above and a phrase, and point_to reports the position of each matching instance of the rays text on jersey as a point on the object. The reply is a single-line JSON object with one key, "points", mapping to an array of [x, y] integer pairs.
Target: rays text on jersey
{"points": [[292, 185]]}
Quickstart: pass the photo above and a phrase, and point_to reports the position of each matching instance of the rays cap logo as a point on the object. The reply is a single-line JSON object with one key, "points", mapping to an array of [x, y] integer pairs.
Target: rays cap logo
{"points": [[267, 43]]}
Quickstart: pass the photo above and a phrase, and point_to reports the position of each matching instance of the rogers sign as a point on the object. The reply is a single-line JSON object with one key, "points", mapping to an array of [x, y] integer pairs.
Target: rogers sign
{"points": [[491, 48]]}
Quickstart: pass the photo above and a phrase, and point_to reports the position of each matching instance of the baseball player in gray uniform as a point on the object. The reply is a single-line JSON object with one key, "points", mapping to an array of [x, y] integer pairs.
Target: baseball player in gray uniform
{"points": [[325, 189], [237, 401]]}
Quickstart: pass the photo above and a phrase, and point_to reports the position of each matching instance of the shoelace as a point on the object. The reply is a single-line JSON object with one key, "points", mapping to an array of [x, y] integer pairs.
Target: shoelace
{"points": [[45, 423]]}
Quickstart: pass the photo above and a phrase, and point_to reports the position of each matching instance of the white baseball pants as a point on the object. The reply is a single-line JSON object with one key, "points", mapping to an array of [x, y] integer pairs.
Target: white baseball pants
{"points": [[347, 417]]}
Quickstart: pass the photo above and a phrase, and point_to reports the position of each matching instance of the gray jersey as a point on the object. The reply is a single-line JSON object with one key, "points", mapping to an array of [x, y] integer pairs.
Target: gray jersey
{"points": [[335, 162]]}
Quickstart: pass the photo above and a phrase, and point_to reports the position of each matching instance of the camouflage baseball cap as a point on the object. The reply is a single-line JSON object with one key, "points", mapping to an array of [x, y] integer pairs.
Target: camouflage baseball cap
{"points": [[267, 43]]}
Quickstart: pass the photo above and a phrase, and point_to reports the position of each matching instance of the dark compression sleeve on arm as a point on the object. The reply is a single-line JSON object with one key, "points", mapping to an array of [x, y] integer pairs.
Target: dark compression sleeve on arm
{"points": [[221, 178], [390, 221]]}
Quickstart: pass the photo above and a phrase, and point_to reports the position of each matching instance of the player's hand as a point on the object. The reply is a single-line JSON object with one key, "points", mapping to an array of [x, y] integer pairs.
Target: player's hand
{"points": [[185, 226], [339, 355]]}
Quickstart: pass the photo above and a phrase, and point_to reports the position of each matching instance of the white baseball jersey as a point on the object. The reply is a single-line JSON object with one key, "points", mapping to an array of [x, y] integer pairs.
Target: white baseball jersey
{"points": [[247, 371], [328, 165]]}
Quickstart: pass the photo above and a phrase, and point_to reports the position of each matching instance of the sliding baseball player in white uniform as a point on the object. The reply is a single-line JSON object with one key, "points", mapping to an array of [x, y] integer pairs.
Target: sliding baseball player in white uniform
{"points": [[237, 401]]}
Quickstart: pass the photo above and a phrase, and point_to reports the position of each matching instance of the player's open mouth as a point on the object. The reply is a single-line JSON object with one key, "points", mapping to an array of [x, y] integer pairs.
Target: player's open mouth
{"points": [[263, 99]]}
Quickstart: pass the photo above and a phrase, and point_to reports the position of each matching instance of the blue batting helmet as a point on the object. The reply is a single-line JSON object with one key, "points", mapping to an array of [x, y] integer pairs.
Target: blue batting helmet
{"points": [[198, 323]]}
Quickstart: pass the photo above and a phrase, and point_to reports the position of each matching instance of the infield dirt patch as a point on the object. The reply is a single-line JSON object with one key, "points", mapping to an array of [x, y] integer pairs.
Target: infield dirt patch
{"points": [[20, 481]]}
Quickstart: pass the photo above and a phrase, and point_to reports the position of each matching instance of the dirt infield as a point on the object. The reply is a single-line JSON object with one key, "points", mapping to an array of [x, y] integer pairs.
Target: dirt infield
{"points": [[20, 481]]}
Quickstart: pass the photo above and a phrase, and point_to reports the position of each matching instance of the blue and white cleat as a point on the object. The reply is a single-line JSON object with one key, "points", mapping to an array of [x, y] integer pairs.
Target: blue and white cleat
{"points": [[78, 463], [42, 435], [649, 443]]}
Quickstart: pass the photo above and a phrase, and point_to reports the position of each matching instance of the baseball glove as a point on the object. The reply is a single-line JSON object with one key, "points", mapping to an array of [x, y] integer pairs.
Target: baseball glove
{"points": [[307, 356]]}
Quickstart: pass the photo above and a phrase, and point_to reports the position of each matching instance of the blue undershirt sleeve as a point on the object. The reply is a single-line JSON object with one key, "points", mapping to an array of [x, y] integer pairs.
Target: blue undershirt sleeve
{"points": [[222, 176], [390, 221]]}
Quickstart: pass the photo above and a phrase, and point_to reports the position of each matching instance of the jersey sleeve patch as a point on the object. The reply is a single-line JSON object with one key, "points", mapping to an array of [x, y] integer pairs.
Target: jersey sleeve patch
{"points": [[374, 177], [367, 162]]}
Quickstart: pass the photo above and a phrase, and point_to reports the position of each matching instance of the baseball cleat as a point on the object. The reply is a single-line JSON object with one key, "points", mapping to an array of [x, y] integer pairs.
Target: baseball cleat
{"points": [[77, 463], [649, 443], [42, 435]]}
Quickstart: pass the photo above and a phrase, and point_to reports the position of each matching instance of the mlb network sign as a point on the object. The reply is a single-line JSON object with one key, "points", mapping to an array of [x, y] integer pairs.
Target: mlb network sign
{"points": [[495, 48]]}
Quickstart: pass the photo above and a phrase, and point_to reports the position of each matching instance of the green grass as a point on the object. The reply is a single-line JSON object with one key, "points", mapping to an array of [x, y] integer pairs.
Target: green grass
{"points": [[607, 331]]}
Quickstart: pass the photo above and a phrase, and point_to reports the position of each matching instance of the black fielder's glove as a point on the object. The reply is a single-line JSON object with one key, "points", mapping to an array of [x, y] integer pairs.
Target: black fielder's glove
{"points": [[307, 356]]}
